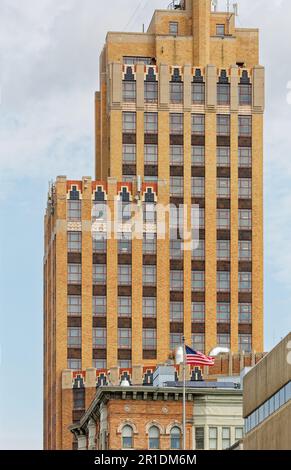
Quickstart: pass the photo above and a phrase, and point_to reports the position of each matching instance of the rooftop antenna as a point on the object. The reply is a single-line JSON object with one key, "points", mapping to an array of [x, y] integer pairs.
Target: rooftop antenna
{"points": [[235, 9], [214, 4], [228, 6]]}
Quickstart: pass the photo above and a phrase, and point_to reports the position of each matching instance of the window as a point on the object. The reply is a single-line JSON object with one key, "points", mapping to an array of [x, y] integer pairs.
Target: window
{"points": [[223, 219], [223, 156], [223, 187], [150, 123], [245, 250], [223, 125], [99, 274], [177, 281], [74, 337], [199, 252], [245, 343], [129, 91], [245, 313], [124, 364], [176, 92], [132, 60], [245, 188], [239, 433], [223, 94], [198, 312], [201, 218], [129, 153], [74, 242], [225, 438], [198, 93], [223, 340], [198, 186], [151, 92], [198, 155], [74, 305], [124, 307], [79, 399], [99, 306], [176, 155], [99, 211], [175, 438], [149, 244], [149, 337], [129, 123], [198, 342], [124, 243], [74, 274], [199, 438], [213, 438], [99, 243], [175, 340], [149, 213], [99, 364], [150, 154], [245, 95], [149, 307], [176, 186], [124, 338], [245, 157], [245, 126], [176, 249], [245, 282], [223, 281], [74, 211], [127, 437], [223, 313], [99, 338], [149, 275], [223, 250], [198, 281], [74, 364], [176, 124], [245, 219], [173, 27], [198, 124], [124, 275], [220, 30], [154, 437], [176, 311]]}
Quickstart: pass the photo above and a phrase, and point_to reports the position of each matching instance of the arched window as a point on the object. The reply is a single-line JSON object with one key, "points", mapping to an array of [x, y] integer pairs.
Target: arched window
{"points": [[127, 437], [175, 438], [154, 437]]}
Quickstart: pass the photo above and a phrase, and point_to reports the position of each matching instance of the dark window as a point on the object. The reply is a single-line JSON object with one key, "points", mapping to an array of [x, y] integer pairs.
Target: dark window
{"points": [[129, 91], [176, 92], [151, 92], [223, 94], [198, 93], [173, 27], [199, 438], [245, 95], [176, 438]]}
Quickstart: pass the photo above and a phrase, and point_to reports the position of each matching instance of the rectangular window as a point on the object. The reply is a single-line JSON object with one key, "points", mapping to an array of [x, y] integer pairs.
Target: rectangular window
{"points": [[223, 94], [245, 219], [129, 91], [74, 274], [74, 364], [176, 249], [220, 30], [124, 307], [198, 124], [132, 60], [223, 250], [177, 312], [99, 211], [223, 188], [177, 281], [149, 307], [225, 438], [245, 157], [150, 154], [223, 313], [223, 156], [198, 342], [199, 438], [198, 312], [201, 218], [124, 364], [150, 123], [124, 338], [176, 155], [151, 92], [149, 243], [239, 433], [245, 126], [99, 274], [177, 186], [99, 338], [149, 213], [129, 123], [74, 305], [223, 219], [176, 92], [175, 340], [149, 337], [199, 252], [124, 275], [74, 242], [173, 27], [245, 250], [124, 243], [223, 341], [74, 211], [149, 275], [198, 186], [245, 313], [245, 282], [198, 156], [99, 306], [74, 337], [223, 125], [245, 343], [245, 188], [245, 95], [100, 364], [176, 124], [223, 281], [99, 243], [213, 432], [129, 154], [198, 93], [198, 281]]}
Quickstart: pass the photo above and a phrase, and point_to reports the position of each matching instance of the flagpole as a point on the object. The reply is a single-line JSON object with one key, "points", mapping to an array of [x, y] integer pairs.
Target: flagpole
{"points": [[184, 395]]}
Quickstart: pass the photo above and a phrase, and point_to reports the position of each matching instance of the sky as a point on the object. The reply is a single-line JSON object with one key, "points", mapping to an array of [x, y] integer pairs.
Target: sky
{"points": [[49, 57]]}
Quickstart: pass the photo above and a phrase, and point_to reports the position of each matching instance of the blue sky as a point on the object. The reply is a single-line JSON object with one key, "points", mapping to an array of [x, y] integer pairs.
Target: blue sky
{"points": [[48, 75]]}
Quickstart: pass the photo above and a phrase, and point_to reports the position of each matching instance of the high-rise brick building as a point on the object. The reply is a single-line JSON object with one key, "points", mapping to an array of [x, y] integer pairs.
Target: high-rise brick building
{"points": [[179, 120]]}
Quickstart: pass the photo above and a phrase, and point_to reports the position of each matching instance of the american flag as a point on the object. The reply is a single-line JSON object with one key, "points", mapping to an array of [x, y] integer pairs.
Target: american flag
{"points": [[197, 358]]}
